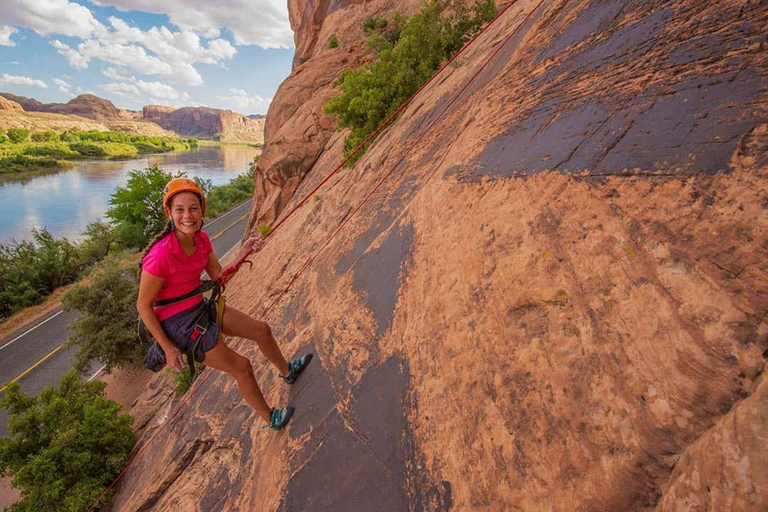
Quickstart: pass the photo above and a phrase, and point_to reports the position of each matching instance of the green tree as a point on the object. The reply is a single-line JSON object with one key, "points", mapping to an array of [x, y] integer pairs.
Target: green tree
{"points": [[106, 329], [30, 270], [333, 42], [17, 135], [99, 239], [65, 445], [136, 209], [2, 136], [45, 136], [224, 197]]}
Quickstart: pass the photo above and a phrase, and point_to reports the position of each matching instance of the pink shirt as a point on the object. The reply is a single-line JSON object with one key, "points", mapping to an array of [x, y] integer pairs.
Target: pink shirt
{"points": [[181, 273]]}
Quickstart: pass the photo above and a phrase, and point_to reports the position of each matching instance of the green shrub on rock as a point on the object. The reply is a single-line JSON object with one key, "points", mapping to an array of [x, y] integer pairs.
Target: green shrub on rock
{"points": [[405, 59]]}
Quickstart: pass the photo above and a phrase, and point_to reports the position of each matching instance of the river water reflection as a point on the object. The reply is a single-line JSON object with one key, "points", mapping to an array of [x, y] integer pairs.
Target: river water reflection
{"points": [[66, 202]]}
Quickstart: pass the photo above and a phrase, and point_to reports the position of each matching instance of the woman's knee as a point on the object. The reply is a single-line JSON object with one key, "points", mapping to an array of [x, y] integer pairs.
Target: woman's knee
{"points": [[241, 366]]}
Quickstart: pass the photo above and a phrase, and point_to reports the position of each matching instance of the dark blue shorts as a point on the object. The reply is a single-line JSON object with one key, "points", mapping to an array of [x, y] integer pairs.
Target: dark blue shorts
{"points": [[179, 327]]}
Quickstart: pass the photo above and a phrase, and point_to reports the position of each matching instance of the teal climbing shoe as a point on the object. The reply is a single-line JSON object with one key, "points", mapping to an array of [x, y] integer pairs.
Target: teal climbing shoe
{"points": [[279, 418], [295, 367]]}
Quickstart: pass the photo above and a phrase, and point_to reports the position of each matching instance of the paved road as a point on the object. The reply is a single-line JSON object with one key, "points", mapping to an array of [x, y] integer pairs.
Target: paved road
{"points": [[34, 356]]}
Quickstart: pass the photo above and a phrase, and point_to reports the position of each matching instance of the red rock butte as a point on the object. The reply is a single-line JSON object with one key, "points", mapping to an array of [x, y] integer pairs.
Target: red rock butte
{"points": [[556, 301]]}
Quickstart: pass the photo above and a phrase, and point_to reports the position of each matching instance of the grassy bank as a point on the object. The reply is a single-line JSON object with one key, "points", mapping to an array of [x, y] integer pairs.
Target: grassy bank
{"points": [[21, 150]]}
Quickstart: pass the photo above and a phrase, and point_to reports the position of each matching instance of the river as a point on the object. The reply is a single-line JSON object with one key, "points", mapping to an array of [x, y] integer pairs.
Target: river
{"points": [[66, 202]]}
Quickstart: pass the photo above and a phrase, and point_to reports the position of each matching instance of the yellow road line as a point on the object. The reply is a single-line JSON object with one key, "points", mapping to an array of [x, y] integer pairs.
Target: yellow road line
{"points": [[217, 235], [34, 366]]}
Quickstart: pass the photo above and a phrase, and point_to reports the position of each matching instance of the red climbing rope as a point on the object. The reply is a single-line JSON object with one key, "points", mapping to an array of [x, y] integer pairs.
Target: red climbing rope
{"points": [[229, 271]]}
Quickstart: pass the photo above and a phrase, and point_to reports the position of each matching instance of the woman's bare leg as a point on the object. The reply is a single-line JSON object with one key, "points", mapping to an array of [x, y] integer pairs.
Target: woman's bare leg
{"points": [[237, 323], [227, 360]]}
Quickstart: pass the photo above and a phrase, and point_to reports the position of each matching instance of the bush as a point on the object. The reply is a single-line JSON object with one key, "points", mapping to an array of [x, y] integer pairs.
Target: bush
{"points": [[45, 137], [371, 25], [333, 42], [2, 136], [224, 197], [17, 135], [70, 136], [57, 150], [119, 150], [182, 380], [405, 59], [17, 163], [88, 149], [136, 210], [98, 243], [29, 271], [106, 328], [65, 446]]}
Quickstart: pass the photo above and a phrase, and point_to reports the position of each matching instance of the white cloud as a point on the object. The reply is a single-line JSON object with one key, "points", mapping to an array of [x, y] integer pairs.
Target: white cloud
{"points": [[118, 74], [7, 79], [244, 102], [148, 92], [62, 85], [260, 22], [5, 35], [50, 17], [158, 51], [76, 60]]}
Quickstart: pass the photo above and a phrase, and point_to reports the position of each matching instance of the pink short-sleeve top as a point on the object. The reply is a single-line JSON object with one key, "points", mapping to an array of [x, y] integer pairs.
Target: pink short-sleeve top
{"points": [[180, 272]]}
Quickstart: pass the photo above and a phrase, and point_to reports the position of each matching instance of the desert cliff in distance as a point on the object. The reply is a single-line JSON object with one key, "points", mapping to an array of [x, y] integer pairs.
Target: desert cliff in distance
{"points": [[83, 110], [544, 287]]}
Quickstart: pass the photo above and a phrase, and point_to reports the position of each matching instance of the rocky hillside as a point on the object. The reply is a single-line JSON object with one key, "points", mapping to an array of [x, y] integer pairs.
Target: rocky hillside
{"points": [[553, 299], [85, 112], [207, 123], [200, 122]]}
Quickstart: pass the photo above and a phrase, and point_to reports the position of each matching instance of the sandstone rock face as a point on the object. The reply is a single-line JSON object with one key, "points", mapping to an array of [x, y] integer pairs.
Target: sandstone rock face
{"points": [[297, 131], [155, 112], [207, 123], [543, 288], [86, 105], [28, 104], [9, 105]]}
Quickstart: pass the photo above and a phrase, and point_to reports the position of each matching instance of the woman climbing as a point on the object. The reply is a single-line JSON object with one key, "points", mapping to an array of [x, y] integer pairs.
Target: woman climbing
{"points": [[171, 267]]}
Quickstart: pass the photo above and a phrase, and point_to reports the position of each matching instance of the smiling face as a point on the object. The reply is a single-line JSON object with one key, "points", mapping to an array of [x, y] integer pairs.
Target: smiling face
{"points": [[186, 212]]}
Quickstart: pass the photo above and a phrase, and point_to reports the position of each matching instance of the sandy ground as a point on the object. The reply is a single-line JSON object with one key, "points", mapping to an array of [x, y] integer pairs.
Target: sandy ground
{"points": [[8, 495], [123, 386]]}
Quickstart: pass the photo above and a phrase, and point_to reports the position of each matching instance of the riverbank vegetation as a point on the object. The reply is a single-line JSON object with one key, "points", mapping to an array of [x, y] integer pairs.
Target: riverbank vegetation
{"points": [[21, 150], [407, 53], [31, 270]]}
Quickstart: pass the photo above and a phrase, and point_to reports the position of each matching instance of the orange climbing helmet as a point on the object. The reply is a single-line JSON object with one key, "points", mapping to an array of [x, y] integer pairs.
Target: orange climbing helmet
{"points": [[178, 185]]}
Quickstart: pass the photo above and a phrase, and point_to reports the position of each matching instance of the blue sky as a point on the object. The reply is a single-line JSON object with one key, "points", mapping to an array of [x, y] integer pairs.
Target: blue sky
{"points": [[223, 54]]}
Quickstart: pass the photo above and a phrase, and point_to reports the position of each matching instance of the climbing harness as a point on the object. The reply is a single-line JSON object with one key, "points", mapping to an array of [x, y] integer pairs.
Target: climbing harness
{"points": [[209, 311]]}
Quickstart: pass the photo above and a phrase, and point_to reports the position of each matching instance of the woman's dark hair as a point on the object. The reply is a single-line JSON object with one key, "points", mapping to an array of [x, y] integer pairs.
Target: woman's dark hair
{"points": [[166, 230]]}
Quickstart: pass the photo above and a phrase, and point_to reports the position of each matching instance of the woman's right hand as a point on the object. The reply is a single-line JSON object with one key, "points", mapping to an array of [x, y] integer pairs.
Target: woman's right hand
{"points": [[174, 358]]}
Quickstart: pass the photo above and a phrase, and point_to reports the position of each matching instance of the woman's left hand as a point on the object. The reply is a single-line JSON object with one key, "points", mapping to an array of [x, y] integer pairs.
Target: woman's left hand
{"points": [[253, 244]]}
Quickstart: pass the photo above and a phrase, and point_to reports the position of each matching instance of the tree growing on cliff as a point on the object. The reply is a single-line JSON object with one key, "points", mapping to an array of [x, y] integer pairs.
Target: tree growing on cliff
{"points": [[136, 209], [64, 446], [374, 91]]}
